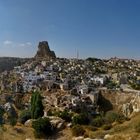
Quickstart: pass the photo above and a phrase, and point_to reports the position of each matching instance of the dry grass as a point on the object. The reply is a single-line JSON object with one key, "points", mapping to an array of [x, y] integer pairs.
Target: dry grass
{"points": [[16, 133], [22, 133], [124, 131]]}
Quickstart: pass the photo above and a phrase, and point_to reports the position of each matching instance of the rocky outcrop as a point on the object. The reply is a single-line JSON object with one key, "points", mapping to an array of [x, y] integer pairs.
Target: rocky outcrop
{"points": [[57, 122], [28, 123], [44, 51]]}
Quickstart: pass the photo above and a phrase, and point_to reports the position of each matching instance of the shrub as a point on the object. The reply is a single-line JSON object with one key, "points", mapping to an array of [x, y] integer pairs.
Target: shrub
{"points": [[137, 127], [13, 121], [107, 127], [1, 111], [135, 86], [78, 130], [1, 115], [56, 113], [92, 128], [80, 119], [111, 85], [97, 122], [24, 116], [49, 113], [65, 115], [113, 116], [42, 127]]}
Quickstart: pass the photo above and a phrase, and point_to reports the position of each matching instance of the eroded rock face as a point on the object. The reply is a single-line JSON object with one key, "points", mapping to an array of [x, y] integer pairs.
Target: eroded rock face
{"points": [[44, 51], [124, 102]]}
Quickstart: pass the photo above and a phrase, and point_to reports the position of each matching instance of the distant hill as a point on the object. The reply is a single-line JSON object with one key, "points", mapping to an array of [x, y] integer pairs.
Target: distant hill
{"points": [[8, 63]]}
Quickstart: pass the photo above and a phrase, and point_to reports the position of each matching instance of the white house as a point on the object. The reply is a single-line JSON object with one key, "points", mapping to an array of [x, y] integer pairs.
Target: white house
{"points": [[31, 77], [98, 80], [82, 89], [43, 63]]}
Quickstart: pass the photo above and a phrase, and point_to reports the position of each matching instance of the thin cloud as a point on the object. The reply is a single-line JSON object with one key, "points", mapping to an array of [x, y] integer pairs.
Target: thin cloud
{"points": [[22, 45], [16, 45], [29, 43], [25, 44], [7, 42]]}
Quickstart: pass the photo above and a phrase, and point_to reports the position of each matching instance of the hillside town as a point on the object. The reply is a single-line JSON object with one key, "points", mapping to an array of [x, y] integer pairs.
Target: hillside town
{"points": [[73, 85]]}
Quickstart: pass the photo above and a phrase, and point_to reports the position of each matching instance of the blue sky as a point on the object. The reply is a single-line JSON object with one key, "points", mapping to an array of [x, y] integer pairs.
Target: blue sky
{"points": [[97, 28]]}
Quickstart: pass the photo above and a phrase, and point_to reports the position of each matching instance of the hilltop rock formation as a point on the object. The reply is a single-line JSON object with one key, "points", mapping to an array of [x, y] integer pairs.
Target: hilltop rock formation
{"points": [[44, 51]]}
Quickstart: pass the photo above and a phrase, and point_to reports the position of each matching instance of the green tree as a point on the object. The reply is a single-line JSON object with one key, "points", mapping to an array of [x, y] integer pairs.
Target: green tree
{"points": [[36, 105]]}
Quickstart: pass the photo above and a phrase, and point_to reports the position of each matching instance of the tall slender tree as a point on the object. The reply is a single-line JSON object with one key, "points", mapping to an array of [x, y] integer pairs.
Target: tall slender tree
{"points": [[36, 105]]}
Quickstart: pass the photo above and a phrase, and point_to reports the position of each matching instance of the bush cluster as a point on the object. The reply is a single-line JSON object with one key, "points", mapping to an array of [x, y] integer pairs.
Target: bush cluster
{"points": [[42, 127], [81, 119], [107, 120], [65, 115], [98, 122], [113, 116]]}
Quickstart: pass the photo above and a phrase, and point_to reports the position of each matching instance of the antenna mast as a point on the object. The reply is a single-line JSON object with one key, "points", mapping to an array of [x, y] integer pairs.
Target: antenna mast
{"points": [[77, 54]]}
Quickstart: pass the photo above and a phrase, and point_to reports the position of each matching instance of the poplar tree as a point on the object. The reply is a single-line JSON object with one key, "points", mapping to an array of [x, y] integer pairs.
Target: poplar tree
{"points": [[36, 105]]}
